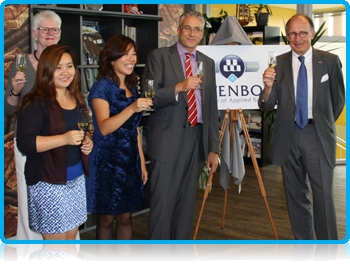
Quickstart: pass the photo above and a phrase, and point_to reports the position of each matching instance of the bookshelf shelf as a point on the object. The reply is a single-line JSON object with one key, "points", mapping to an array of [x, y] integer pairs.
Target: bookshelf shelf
{"points": [[260, 138]]}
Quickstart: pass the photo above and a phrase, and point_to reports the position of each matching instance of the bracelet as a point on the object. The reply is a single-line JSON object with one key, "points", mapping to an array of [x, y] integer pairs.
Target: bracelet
{"points": [[15, 94]]}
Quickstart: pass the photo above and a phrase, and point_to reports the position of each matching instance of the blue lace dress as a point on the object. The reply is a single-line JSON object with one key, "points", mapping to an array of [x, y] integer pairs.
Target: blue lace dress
{"points": [[115, 184]]}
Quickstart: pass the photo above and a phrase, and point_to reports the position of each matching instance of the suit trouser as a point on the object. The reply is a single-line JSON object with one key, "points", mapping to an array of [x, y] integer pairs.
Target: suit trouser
{"points": [[308, 165], [173, 189]]}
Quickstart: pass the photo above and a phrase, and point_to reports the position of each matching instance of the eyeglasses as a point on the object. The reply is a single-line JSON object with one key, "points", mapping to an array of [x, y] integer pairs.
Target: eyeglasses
{"points": [[301, 34], [46, 30], [188, 29]]}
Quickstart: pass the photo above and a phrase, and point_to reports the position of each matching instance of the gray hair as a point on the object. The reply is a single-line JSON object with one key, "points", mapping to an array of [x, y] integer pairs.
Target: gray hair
{"points": [[192, 13], [311, 23], [43, 15]]}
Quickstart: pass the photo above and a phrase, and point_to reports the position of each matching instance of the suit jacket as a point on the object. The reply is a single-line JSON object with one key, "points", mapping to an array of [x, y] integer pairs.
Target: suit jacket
{"points": [[328, 103], [166, 125]]}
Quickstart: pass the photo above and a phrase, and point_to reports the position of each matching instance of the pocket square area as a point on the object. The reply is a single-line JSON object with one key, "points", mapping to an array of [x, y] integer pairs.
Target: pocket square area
{"points": [[325, 78]]}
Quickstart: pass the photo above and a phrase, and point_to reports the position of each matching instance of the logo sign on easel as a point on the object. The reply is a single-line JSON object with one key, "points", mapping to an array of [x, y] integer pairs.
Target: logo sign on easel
{"points": [[239, 71]]}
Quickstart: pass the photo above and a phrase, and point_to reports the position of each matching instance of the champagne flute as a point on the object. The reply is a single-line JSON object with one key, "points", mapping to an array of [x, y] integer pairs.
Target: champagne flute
{"points": [[199, 73], [272, 60], [149, 92], [21, 62], [83, 120]]}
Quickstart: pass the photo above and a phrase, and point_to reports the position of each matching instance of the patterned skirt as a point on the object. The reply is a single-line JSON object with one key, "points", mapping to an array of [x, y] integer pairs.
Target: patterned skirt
{"points": [[55, 209]]}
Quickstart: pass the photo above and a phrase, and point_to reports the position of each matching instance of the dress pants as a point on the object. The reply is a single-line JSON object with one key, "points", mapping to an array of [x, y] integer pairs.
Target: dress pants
{"points": [[173, 189], [307, 165]]}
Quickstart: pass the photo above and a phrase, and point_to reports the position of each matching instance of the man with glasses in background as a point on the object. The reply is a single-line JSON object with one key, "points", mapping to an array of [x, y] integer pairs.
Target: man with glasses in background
{"points": [[308, 88], [183, 131]]}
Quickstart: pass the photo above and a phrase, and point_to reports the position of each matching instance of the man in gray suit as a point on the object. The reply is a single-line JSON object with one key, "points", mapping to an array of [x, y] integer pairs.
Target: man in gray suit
{"points": [[304, 137], [176, 147]]}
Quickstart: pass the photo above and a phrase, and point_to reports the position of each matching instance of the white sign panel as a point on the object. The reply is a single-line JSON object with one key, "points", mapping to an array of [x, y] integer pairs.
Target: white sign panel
{"points": [[239, 70]]}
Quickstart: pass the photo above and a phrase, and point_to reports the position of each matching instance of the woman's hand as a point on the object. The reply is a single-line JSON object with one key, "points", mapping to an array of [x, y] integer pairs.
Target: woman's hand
{"points": [[74, 137], [18, 82], [141, 104], [87, 146], [144, 174]]}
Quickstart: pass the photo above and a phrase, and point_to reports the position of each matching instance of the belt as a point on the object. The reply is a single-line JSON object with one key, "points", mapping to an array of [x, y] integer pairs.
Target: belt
{"points": [[309, 121], [197, 124]]}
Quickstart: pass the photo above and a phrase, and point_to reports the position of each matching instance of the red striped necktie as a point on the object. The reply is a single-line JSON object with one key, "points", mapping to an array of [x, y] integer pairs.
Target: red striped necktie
{"points": [[191, 98]]}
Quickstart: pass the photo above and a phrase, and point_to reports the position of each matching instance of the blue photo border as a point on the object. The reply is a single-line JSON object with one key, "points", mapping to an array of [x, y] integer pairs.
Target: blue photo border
{"points": [[6, 241]]}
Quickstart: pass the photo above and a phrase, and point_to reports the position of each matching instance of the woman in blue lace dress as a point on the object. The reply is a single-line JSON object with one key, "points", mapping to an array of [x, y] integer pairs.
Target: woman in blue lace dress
{"points": [[117, 164]]}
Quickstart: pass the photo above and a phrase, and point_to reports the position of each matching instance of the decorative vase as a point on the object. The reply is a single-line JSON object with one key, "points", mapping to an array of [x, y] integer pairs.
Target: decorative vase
{"points": [[262, 19]]}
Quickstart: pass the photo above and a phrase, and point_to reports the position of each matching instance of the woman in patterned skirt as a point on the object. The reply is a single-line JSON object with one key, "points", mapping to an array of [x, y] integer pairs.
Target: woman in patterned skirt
{"points": [[117, 163], [57, 153]]}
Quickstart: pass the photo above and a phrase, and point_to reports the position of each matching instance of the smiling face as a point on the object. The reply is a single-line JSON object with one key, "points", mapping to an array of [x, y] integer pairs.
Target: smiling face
{"points": [[65, 72], [125, 64], [300, 45], [45, 40], [190, 39]]}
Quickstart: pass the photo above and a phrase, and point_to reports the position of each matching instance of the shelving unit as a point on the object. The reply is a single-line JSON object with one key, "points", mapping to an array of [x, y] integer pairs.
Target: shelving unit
{"points": [[271, 35], [266, 140]]}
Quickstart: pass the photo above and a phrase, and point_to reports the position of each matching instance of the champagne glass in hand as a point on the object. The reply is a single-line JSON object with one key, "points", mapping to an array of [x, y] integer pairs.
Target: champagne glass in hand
{"points": [[272, 60], [199, 73], [83, 120], [20, 63], [149, 92]]}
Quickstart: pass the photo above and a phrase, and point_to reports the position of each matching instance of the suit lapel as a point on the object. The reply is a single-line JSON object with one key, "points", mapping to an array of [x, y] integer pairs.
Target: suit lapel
{"points": [[288, 68], [175, 61], [317, 69]]}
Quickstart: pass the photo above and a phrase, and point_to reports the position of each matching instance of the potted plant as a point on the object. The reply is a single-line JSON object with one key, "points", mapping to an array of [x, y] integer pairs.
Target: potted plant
{"points": [[212, 24], [262, 13]]}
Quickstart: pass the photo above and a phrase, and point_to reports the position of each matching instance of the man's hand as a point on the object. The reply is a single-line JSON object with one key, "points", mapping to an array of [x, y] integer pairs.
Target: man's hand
{"points": [[188, 84], [268, 79], [212, 162]]}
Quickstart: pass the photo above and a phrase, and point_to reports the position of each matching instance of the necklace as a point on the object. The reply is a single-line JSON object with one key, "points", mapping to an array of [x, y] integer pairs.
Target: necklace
{"points": [[35, 55], [62, 97]]}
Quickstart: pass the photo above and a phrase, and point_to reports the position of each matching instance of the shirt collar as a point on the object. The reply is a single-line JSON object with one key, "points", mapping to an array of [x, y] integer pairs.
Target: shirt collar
{"points": [[183, 50], [307, 54]]}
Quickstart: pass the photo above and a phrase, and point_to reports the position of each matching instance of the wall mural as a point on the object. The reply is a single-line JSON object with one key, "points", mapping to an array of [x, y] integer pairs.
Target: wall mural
{"points": [[168, 27], [16, 40]]}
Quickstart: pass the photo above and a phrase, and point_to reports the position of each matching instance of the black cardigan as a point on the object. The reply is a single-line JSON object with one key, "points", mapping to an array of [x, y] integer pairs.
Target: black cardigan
{"points": [[41, 119]]}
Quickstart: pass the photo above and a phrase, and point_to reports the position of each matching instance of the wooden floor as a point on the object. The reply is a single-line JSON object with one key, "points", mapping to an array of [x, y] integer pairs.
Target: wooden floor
{"points": [[246, 214], [246, 219]]}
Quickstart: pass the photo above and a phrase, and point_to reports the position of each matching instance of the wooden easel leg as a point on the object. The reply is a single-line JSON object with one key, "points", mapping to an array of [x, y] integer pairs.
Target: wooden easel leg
{"points": [[223, 216], [256, 168]]}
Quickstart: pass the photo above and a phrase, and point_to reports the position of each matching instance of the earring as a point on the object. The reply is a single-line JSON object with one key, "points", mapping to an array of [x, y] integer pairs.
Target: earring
{"points": [[112, 63]]}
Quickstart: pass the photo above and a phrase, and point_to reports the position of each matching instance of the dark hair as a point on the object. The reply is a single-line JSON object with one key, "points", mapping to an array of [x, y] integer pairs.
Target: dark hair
{"points": [[44, 86], [115, 48], [311, 23]]}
